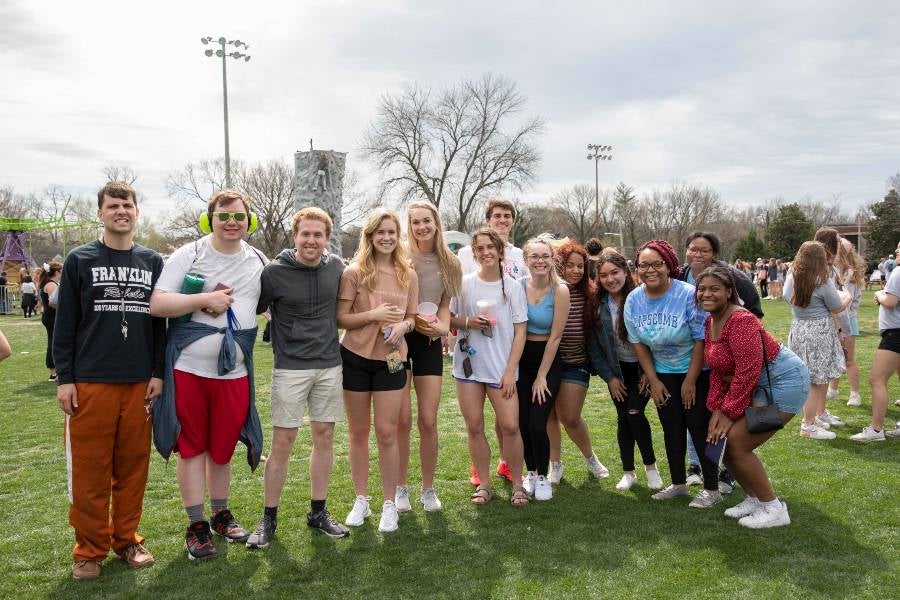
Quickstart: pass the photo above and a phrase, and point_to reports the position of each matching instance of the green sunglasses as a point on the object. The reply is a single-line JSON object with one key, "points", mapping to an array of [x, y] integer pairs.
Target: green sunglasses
{"points": [[224, 216]]}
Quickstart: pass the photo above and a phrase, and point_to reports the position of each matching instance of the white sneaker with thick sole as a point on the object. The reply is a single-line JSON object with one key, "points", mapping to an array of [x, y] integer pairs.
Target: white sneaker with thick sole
{"points": [[893, 433], [706, 498], [556, 472], [430, 500], [832, 394], [672, 491], [745, 507], [833, 420], [596, 467], [390, 518], [654, 481], [627, 482], [401, 499], [814, 432], [542, 489], [763, 518], [529, 481], [854, 400], [360, 511], [868, 434], [822, 423]]}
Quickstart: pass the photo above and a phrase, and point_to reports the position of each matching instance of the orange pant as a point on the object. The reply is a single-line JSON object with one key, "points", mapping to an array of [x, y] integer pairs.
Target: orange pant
{"points": [[107, 454]]}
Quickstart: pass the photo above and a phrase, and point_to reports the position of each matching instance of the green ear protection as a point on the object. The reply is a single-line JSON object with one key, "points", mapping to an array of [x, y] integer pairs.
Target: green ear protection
{"points": [[205, 222]]}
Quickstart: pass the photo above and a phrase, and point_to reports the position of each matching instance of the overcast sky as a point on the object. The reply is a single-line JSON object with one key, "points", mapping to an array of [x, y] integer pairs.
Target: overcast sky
{"points": [[756, 99]]}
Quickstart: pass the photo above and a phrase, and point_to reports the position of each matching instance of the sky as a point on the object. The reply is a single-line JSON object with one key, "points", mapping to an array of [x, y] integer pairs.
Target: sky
{"points": [[795, 99]]}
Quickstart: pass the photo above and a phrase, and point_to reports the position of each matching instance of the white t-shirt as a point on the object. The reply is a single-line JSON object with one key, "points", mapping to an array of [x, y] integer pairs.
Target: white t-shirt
{"points": [[513, 261], [491, 353], [242, 272]]}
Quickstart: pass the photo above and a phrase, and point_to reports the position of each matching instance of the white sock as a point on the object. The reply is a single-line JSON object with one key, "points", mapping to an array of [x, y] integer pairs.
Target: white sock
{"points": [[772, 504]]}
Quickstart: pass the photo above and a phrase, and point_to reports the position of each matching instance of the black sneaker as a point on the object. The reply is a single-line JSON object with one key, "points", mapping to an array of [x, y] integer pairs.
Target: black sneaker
{"points": [[726, 481], [263, 534], [324, 522], [223, 524], [198, 542]]}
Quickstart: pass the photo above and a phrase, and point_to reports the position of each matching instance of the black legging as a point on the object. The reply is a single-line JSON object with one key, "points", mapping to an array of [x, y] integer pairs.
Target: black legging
{"points": [[633, 428], [48, 359], [676, 419], [28, 305], [763, 288], [533, 416]]}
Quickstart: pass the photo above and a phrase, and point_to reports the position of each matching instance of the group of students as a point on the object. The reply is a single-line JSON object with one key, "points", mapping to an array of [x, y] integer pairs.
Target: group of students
{"points": [[531, 326]]}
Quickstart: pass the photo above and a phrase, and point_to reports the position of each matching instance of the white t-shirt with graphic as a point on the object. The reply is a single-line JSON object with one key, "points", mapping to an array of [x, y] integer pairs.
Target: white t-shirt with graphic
{"points": [[240, 271], [513, 261]]}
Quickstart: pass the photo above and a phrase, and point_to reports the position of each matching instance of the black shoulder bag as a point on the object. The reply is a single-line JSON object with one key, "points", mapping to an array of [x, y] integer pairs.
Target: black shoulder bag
{"points": [[761, 419]]}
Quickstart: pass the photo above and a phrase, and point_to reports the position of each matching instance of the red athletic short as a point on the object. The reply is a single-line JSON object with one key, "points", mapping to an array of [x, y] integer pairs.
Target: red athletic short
{"points": [[212, 413]]}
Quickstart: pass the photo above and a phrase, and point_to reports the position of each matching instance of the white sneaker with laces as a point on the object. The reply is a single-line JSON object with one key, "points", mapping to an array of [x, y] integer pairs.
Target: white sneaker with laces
{"points": [[706, 498], [627, 482], [672, 491], [556, 472], [822, 423], [832, 419], [893, 433], [529, 481], [360, 511], [854, 399], [430, 500], [763, 518], [745, 507], [596, 467], [654, 481], [401, 499], [832, 394], [390, 518], [814, 432], [868, 434], [542, 489]]}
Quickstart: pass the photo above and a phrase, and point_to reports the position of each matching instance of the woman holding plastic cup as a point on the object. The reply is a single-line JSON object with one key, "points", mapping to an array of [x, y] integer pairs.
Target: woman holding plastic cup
{"points": [[486, 359], [439, 275]]}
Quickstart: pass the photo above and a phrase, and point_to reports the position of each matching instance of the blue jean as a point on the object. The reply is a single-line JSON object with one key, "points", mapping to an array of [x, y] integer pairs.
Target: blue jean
{"points": [[789, 383]]}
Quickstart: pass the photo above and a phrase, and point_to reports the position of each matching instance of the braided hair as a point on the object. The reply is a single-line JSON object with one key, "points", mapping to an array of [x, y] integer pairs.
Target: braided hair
{"points": [[666, 251], [498, 243]]}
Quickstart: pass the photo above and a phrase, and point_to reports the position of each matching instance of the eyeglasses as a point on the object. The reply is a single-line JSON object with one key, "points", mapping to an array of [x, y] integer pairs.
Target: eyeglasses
{"points": [[656, 265], [540, 257], [695, 250], [224, 216]]}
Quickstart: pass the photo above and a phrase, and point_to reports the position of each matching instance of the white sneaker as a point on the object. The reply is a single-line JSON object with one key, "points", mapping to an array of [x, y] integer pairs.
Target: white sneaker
{"points": [[763, 518], [672, 491], [596, 467], [389, 517], [745, 507], [832, 394], [430, 500], [706, 498], [822, 423], [628, 480], [360, 511], [654, 481], [833, 420], [854, 399], [893, 433], [542, 489], [868, 434], [529, 481], [401, 499], [556, 472], [694, 476], [814, 432]]}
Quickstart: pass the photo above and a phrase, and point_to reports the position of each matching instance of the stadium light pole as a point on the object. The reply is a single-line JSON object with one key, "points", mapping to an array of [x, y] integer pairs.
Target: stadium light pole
{"points": [[597, 152], [223, 53]]}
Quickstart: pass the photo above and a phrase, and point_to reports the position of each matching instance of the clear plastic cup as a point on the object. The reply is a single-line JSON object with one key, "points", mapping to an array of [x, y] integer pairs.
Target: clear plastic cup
{"points": [[488, 310], [428, 311]]}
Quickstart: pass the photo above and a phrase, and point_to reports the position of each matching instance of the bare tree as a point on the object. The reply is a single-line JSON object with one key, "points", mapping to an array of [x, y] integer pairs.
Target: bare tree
{"points": [[893, 182], [120, 173], [270, 187], [577, 203], [457, 146], [12, 205]]}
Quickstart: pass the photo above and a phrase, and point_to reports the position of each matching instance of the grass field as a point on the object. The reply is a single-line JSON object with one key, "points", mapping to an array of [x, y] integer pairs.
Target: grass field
{"points": [[589, 541]]}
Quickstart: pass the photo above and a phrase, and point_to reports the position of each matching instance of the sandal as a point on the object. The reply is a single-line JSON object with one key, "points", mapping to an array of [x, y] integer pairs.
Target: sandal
{"points": [[519, 496], [482, 495]]}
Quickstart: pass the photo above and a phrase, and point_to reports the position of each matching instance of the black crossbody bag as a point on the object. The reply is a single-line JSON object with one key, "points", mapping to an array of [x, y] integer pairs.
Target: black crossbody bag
{"points": [[761, 419]]}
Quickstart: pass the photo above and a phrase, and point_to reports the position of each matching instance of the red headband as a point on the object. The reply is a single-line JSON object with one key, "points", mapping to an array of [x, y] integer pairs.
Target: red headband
{"points": [[666, 251]]}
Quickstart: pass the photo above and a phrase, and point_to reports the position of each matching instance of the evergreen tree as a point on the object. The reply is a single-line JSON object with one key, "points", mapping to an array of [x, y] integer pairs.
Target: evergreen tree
{"points": [[790, 228], [884, 228], [749, 247]]}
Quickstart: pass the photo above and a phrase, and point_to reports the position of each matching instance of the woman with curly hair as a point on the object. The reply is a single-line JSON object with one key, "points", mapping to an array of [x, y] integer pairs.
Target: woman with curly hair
{"points": [[571, 261]]}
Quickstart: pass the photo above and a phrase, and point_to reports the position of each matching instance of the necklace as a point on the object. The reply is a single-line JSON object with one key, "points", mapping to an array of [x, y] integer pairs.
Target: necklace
{"points": [[122, 292]]}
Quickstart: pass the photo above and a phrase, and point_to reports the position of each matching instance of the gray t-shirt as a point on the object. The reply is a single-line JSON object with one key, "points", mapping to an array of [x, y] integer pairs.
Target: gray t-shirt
{"points": [[889, 318], [825, 298]]}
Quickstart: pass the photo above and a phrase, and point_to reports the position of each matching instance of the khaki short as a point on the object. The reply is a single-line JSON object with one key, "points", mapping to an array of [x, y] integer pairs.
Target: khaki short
{"points": [[316, 392]]}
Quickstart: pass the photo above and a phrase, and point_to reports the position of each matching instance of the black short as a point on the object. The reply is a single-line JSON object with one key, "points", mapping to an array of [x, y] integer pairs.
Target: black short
{"points": [[367, 375], [427, 357], [890, 340]]}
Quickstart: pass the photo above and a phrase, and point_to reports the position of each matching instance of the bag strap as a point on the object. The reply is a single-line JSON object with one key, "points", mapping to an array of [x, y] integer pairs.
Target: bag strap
{"points": [[766, 365]]}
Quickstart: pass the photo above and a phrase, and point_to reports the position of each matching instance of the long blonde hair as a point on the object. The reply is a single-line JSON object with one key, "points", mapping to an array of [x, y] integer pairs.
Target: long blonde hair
{"points": [[451, 271], [365, 254], [554, 276], [850, 264]]}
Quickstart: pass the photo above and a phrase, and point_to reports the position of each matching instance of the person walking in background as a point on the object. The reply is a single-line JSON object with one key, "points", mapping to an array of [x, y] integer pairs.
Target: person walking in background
{"points": [[747, 367], [762, 278], [571, 261], [813, 297], [29, 296], [48, 284], [593, 247], [614, 359], [852, 273], [774, 284]]}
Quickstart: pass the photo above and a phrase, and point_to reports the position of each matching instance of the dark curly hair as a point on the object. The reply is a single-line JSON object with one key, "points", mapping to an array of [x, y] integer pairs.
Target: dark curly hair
{"points": [[586, 286]]}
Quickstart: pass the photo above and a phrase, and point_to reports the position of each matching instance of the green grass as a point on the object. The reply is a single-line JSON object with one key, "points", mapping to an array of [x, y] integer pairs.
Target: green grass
{"points": [[589, 541]]}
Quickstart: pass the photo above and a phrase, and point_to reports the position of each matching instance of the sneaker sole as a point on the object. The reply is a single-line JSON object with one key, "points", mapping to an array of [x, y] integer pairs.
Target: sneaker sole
{"points": [[388, 530], [200, 558], [867, 440], [404, 510], [232, 540], [331, 535], [360, 523], [257, 546], [781, 523]]}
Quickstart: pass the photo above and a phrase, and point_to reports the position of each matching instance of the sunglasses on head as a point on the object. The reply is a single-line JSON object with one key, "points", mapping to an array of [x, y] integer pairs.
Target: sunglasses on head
{"points": [[225, 216]]}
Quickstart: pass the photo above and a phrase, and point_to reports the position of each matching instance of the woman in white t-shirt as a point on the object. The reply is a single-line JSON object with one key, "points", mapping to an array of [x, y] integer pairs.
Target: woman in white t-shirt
{"points": [[490, 315]]}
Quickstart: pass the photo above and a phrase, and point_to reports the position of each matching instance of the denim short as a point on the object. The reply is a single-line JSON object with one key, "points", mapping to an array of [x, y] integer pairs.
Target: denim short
{"points": [[854, 326], [790, 382], [493, 386], [579, 374]]}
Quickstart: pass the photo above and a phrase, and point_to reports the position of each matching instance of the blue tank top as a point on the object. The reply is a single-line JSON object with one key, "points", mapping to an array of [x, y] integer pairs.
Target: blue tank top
{"points": [[540, 317]]}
